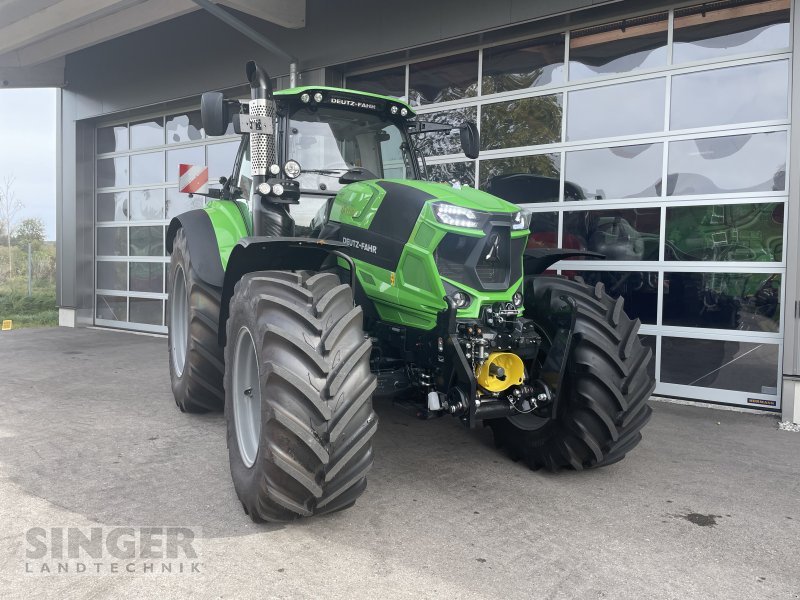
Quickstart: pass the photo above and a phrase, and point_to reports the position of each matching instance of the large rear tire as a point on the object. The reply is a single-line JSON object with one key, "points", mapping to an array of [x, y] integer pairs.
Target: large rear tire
{"points": [[195, 356], [298, 395], [603, 404]]}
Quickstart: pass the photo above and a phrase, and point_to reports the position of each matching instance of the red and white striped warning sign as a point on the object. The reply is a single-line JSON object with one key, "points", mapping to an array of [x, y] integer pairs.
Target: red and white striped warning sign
{"points": [[193, 179]]}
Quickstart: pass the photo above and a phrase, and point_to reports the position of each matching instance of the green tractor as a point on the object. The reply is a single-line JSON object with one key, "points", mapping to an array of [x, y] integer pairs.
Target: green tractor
{"points": [[326, 269]]}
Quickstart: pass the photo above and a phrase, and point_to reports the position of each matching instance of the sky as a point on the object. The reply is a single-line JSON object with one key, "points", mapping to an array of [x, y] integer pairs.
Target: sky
{"points": [[28, 151]]}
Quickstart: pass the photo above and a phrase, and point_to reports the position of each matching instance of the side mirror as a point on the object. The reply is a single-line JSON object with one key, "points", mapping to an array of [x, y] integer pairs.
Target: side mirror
{"points": [[214, 113], [470, 139]]}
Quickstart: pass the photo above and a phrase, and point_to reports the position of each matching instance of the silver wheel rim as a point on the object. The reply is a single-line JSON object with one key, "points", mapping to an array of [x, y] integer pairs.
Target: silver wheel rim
{"points": [[179, 320], [246, 397]]}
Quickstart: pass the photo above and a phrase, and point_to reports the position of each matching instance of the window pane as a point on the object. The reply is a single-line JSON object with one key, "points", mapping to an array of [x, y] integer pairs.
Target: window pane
{"points": [[523, 65], [147, 205], [147, 133], [443, 79], [544, 230], [703, 31], [389, 82], [523, 122], [618, 47], [186, 156], [620, 172], [756, 92], [445, 142], [523, 179], [462, 172], [112, 172], [725, 232], [112, 139], [178, 203], [112, 241], [613, 110], [629, 234], [741, 301], [112, 308], [112, 206], [741, 366], [220, 160], [639, 290], [146, 310], [184, 127], [147, 241], [147, 168], [740, 163], [112, 275], [147, 277]]}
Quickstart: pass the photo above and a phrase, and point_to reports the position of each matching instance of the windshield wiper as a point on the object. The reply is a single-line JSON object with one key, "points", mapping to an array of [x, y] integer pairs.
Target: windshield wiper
{"points": [[336, 171]]}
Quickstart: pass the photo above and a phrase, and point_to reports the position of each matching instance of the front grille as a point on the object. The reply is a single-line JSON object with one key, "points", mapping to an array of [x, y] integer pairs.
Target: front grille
{"points": [[490, 262]]}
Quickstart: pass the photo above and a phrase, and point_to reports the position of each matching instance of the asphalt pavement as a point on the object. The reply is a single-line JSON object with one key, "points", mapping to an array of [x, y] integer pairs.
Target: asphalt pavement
{"points": [[708, 505]]}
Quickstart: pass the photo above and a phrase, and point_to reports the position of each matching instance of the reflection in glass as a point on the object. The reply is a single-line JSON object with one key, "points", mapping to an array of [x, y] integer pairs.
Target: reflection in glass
{"points": [[146, 310], [112, 206], [649, 342], [147, 205], [388, 82], [112, 241], [112, 139], [178, 203], [629, 234], [618, 47], [445, 142], [147, 277], [741, 163], [149, 132], [523, 122], [147, 168], [112, 172], [618, 172], [220, 160], [740, 366], [639, 289], [724, 28], [544, 230], [742, 301], [523, 65], [461, 172], [112, 308], [443, 79], [147, 241], [186, 156], [725, 232], [757, 92], [112, 275], [522, 179], [616, 110], [185, 127]]}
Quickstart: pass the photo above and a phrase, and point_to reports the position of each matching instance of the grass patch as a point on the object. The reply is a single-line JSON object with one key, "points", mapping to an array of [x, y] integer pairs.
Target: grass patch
{"points": [[37, 311]]}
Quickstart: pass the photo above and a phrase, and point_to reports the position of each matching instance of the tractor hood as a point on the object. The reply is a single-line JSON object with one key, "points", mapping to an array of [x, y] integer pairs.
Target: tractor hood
{"points": [[465, 197]]}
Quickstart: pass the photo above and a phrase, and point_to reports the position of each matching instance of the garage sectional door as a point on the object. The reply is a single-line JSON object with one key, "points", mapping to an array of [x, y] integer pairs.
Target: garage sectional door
{"points": [[661, 141], [136, 196]]}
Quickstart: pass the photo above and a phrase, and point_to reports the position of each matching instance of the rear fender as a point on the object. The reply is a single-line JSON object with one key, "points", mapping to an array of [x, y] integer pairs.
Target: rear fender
{"points": [[537, 260]]}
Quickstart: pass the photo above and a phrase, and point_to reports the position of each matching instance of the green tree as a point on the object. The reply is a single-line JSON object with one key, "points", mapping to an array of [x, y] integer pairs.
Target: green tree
{"points": [[31, 231], [10, 205]]}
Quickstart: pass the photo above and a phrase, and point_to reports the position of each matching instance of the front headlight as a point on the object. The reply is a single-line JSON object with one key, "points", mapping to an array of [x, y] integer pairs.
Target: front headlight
{"points": [[457, 216], [522, 220]]}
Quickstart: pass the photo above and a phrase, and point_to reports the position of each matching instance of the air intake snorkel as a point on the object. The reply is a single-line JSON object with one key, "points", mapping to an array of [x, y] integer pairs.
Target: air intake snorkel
{"points": [[270, 217]]}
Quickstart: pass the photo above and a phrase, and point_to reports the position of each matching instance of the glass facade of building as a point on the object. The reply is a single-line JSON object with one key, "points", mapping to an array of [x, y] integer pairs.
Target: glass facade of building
{"points": [[660, 141]]}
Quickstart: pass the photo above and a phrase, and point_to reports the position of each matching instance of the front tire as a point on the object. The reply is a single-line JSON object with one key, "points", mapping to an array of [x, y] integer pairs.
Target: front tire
{"points": [[195, 357], [298, 395], [603, 403]]}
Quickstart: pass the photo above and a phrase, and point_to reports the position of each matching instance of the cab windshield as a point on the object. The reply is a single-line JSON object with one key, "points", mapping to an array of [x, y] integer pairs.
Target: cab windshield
{"points": [[327, 142]]}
